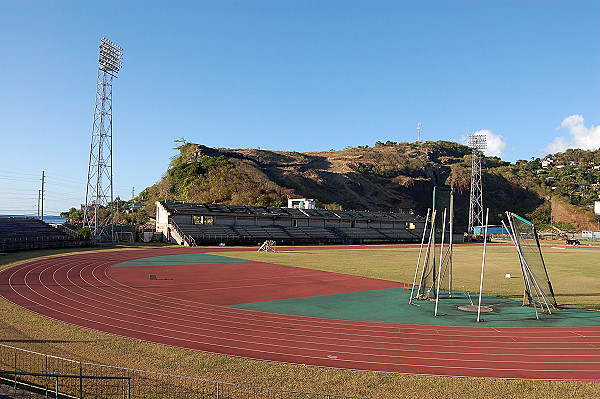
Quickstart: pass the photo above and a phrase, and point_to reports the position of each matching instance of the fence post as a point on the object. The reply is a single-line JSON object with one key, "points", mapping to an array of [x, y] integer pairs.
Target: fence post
{"points": [[47, 379], [56, 388], [15, 365], [80, 380], [123, 384], [217, 393]]}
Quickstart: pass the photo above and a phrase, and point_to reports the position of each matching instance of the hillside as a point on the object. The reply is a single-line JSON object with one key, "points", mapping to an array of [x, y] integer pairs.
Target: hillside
{"points": [[387, 177]]}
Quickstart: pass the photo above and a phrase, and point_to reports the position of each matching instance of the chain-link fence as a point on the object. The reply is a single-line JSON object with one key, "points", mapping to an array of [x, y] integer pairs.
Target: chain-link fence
{"points": [[56, 377]]}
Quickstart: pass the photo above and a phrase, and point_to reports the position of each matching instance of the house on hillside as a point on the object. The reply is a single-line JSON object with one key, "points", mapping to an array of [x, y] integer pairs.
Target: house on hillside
{"points": [[546, 162], [302, 203]]}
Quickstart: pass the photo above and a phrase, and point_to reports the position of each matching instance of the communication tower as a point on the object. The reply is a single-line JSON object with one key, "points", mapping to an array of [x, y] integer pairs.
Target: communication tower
{"points": [[478, 143], [98, 212]]}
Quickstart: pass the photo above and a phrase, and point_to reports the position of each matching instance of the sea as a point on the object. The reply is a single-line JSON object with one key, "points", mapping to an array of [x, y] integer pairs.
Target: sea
{"points": [[50, 219]]}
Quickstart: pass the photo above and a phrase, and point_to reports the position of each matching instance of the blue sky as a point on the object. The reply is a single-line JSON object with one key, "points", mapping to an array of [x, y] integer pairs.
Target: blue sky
{"points": [[286, 75]]}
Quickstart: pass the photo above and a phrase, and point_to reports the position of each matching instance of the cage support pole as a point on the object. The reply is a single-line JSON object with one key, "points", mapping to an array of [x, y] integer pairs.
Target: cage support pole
{"points": [[524, 268], [487, 218], [439, 276], [451, 218], [412, 290], [430, 244]]}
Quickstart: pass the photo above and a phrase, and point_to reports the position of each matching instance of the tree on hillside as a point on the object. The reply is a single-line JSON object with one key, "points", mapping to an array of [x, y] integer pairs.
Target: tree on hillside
{"points": [[73, 215]]}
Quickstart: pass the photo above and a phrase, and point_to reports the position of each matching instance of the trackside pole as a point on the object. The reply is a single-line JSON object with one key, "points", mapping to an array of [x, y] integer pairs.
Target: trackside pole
{"points": [[487, 218], [412, 290], [451, 220], [439, 276]]}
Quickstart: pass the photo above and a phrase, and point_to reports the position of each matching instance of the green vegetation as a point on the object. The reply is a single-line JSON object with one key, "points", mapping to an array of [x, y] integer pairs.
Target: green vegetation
{"points": [[184, 175], [570, 270], [123, 214], [196, 176], [73, 215], [84, 233], [571, 179]]}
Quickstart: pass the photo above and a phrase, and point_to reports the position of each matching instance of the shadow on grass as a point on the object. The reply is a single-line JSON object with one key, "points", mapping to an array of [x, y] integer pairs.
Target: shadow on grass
{"points": [[30, 254], [40, 341], [557, 295]]}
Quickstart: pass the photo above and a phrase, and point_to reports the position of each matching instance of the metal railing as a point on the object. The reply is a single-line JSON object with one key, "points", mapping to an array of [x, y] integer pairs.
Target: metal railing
{"points": [[186, 238], [64, 378], [36, 239], [51, 386]]}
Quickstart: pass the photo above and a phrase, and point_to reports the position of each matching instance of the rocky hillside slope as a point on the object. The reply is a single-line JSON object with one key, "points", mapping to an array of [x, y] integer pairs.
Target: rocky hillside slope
{"points": [[387, 177]]}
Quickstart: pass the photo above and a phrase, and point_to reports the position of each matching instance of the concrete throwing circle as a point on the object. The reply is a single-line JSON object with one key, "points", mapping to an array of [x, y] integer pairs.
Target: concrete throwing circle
{"points": [[190, 306], [476, 308]]}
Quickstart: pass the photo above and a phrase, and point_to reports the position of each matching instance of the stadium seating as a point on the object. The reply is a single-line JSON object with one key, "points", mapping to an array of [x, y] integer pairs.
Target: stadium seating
{"points": [[205, 233], [30, 233], [244, 224], [311, 235]]}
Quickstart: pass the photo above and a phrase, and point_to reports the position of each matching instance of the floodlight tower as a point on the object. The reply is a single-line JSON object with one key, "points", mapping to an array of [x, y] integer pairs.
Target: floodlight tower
{"points": [[99, 191], [478, 143]]}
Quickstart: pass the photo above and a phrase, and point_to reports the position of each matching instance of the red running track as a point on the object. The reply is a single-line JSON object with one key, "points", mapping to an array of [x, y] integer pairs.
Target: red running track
{"points": [[81, 290]]}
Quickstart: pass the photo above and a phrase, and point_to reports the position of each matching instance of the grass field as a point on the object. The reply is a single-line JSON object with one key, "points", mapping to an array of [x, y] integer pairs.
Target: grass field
{"points": [[573, 272]]}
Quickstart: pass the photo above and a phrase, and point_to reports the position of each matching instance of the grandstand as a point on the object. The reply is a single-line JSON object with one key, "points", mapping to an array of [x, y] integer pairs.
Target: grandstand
{"points": [[28, 233], [205, 224]]}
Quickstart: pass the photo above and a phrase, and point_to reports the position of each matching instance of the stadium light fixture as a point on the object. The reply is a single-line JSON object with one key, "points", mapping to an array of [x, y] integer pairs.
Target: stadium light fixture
{"points": [[110, 56], [478, 141]]}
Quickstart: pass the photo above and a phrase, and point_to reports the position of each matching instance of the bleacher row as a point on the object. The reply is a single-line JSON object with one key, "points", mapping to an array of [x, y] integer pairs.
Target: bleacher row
{"points": [[211, 234], [267, 211], [30, 233]]}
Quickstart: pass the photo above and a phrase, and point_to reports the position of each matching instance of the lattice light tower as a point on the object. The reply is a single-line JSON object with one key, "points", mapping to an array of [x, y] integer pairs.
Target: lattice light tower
{"points": [[98, 215], [478, 143]]}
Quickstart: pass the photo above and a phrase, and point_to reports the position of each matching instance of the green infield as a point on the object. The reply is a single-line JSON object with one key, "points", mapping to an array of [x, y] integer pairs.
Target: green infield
{"points": [[182, 259], [391, 306]]}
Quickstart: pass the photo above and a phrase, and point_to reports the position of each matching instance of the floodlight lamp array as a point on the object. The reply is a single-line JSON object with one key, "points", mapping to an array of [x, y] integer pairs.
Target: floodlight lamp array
{"points": [[110, 56], [478, 141]]}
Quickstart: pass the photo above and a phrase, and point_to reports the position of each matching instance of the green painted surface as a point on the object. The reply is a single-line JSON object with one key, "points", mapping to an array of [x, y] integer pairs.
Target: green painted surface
{"points": [[391, 306], [181, 259]]}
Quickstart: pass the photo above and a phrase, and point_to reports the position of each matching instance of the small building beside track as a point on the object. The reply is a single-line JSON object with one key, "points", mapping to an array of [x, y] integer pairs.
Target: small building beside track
{"points": [[591, 235]]}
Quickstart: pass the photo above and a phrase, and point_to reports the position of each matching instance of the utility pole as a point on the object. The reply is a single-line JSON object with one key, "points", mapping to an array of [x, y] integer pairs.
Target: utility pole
{"points": [[42, 196], [132, 208], [419, 132]]}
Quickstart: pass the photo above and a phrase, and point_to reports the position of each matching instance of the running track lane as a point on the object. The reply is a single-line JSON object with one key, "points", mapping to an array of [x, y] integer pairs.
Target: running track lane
{"points": [[78, 289]]}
